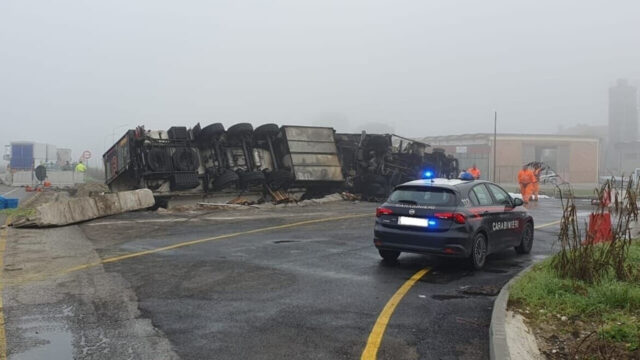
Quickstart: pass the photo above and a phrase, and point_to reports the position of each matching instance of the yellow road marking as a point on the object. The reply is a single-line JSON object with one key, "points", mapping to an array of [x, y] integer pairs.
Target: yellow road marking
{"points": [[548, 224], [180, 245], [3, 338], [375, 338]]}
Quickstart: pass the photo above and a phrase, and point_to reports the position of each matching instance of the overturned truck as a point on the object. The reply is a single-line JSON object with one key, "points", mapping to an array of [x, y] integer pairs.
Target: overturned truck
{"points": [[269, 158]]}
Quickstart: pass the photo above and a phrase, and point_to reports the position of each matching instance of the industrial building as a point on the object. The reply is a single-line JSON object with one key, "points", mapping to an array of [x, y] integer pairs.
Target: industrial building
{"points": [[623, 145], [575, 158]]}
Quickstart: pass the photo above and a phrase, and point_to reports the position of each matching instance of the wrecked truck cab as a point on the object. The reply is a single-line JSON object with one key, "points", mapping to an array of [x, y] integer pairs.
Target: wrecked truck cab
{"points": [[162, 161]]}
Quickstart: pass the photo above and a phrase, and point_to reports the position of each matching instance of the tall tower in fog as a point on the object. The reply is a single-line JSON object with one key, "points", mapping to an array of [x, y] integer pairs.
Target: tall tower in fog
{"points": [[623, 113]]}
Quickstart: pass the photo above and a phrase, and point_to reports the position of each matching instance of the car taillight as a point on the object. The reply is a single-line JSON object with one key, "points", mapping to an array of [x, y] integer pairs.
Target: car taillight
{"points": [[458, 218], [383, 211]]}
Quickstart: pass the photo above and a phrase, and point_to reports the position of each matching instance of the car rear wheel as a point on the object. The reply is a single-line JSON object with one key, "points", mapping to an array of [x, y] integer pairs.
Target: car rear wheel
{"points": [[526, 242], [478, 252], [389, 255]]}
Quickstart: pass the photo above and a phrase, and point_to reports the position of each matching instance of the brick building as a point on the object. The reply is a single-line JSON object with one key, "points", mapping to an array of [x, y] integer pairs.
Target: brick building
{"points": [[575, 158]]}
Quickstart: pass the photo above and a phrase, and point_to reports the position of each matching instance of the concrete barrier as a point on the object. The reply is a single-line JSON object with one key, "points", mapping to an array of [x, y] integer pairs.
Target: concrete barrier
{"points": [[81, 209]]}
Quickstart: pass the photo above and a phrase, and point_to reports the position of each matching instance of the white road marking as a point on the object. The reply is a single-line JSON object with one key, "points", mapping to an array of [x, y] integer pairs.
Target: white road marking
{"points": [[7, 193]]}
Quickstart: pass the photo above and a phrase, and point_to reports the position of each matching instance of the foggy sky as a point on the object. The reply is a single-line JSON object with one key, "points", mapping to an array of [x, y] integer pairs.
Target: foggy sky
{"points": [[73, 72]]}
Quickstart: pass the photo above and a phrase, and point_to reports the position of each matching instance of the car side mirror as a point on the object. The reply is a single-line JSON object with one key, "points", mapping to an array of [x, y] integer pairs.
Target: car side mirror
{"points": [[517, 202]]}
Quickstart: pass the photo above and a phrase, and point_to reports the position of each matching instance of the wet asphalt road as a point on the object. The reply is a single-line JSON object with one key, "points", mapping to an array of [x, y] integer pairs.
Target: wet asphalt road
{"points": [[306, 292]]}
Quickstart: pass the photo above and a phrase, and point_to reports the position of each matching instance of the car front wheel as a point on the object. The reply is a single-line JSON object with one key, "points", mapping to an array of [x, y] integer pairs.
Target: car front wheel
{"points": [[526, 241]]}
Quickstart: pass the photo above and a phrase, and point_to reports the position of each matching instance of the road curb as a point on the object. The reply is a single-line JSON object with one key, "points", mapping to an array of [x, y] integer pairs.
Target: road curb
{"points": [[498, 348]]}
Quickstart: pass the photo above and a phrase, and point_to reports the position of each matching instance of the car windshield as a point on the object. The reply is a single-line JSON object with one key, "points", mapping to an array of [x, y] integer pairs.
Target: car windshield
{"points": [[431, 196]]}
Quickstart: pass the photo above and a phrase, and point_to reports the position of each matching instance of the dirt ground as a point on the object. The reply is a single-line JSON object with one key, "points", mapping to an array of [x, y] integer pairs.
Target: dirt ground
{"points": [[562, 338]]}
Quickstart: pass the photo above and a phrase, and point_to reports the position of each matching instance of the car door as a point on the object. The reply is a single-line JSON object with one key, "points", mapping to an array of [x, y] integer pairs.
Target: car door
{"points": [[484, 208], [507, 221]]}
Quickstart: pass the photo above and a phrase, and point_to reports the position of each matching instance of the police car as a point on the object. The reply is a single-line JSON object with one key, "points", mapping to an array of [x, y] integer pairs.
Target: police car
{"points": [[455, 218]]}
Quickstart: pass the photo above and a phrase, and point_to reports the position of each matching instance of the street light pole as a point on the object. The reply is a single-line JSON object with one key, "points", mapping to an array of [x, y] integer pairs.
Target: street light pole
{"points": [[495, 144]]}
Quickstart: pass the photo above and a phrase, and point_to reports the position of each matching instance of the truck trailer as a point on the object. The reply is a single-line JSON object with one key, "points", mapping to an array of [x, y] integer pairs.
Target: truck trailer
{"points": [[211, 159]]}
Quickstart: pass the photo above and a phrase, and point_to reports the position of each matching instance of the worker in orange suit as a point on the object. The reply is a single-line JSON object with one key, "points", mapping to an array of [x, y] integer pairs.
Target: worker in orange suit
{"points": [[525, 179], [535, 186], [474, 171]]}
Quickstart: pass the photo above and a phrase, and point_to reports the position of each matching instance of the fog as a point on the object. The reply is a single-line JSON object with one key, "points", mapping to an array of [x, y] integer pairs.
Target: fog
{"points": [[73, 73]]}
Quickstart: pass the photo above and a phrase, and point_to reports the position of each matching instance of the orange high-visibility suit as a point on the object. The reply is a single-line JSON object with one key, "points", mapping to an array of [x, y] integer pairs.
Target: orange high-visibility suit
{"points": [[525, 179], [474, 172], [535, 186]]}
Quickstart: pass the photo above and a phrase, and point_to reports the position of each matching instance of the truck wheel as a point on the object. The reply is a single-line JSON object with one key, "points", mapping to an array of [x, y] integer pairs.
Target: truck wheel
{"points": [[240, 130], [526, 241], [226, 179], [266, 130], [211, 131], [159, 160], [389, 256], [376, 191], [185, 159], [280, 179], [251, 178], [478, 252], [377, 179], [378, 143]]}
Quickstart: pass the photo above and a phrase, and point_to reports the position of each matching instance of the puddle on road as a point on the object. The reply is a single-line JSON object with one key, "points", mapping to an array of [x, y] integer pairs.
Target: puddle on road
{"points": [[487, 290], [285, 241], [445, 277], [495, 271], [441, 297], [53, 339]]}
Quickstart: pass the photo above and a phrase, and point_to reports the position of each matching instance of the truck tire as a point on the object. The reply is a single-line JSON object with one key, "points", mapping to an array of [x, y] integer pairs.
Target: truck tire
{"points": [[266, 130], [158, 160], [240, 130], [378, 143], [377, 179], [279, 179], [185, 159], [226, 179], [211, 131], [251, 178]]}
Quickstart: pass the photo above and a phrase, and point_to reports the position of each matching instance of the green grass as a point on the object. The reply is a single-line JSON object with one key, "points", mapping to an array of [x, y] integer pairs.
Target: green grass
{"points": [[611, 306], [18, 212]]}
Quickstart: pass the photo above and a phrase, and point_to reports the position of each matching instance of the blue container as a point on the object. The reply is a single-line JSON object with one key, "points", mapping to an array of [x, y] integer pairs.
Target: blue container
{"points": [[11, 203], [3, 203], [21, 156]]}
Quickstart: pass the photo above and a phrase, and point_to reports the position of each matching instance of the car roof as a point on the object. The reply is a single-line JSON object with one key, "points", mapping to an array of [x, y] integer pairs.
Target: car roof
{"points": [[452, 184]]}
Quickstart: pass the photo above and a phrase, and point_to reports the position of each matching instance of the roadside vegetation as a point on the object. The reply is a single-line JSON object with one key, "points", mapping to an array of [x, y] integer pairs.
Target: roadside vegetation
{"points": [[580, 318], [584, 302], [18, 212]]}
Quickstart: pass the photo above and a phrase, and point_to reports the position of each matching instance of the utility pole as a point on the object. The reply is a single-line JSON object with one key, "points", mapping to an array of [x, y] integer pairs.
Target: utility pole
{"points": [[495, 144]]}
